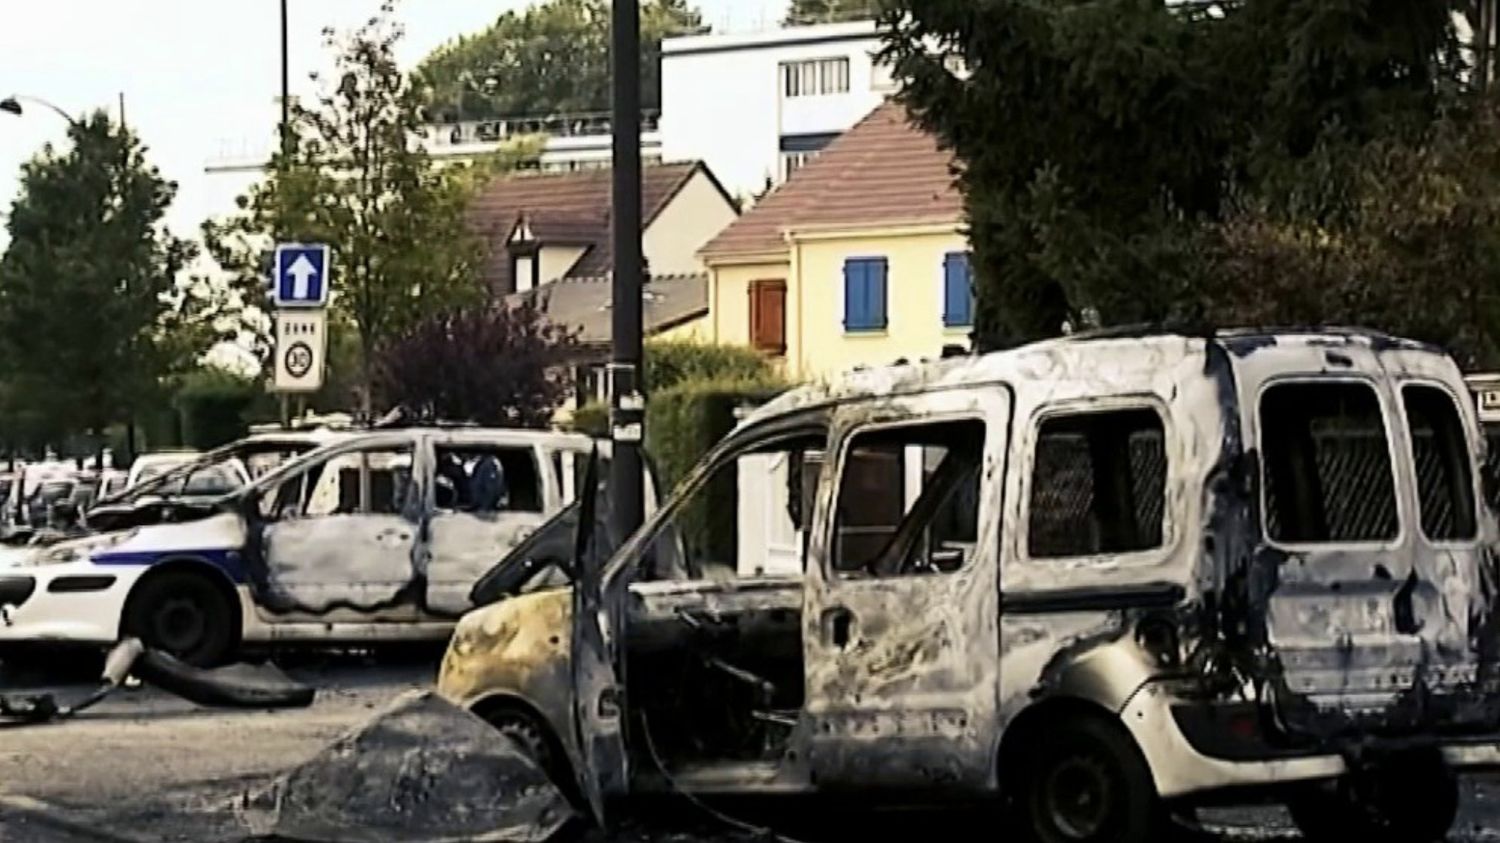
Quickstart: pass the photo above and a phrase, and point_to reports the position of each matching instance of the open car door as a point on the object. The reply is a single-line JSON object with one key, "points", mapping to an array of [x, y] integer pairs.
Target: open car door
{"points": [[597, 696]]}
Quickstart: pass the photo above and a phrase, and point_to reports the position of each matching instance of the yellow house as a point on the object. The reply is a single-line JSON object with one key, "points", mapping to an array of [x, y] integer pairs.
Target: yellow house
{"points": [[860, 258]]}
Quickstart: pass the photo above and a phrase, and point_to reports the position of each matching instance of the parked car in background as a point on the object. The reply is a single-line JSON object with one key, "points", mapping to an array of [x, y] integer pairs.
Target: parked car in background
{"points": [[147, 466], [112, 482], [1098, 579], [377, 535]]}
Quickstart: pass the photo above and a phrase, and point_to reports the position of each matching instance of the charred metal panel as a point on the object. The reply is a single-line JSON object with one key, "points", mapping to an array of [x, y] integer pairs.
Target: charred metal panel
{"points": [[903, 671]]}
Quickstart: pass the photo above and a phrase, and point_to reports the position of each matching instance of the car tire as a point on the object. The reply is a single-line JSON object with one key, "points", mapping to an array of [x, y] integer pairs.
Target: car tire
{"points": [[1086, 782], [185, 614], [1413, 799]]}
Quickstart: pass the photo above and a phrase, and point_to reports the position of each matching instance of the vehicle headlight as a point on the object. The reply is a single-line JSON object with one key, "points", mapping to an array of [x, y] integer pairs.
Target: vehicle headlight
{"points": [[74, 551]]}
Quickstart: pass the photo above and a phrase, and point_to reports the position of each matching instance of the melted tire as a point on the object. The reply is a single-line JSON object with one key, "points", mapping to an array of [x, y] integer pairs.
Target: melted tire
{"points": [[235, 686]]}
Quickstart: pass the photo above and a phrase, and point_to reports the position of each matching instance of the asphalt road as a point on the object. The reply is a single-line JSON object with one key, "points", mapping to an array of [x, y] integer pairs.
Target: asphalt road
{"points": [[145, 766]]}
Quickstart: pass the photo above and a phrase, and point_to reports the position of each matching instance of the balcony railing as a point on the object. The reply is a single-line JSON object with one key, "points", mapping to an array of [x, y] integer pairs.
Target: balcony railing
{"points": [[585, 124]]}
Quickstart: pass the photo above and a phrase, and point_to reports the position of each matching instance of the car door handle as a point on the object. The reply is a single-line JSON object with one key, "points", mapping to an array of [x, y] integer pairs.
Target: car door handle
{"points": [[839, 627]]}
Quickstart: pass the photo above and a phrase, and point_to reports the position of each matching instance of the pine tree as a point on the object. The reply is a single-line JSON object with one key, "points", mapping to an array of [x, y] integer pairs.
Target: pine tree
{"points": [[807, 12], [92, 313]]}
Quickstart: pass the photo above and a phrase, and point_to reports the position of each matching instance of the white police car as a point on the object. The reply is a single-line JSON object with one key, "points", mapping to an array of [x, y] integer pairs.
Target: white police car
{"points": [[376, 536]]}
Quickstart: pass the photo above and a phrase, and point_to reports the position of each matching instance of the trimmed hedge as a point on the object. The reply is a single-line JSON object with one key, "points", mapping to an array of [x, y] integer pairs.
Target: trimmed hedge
{"points": [[212, 404], [682, 423], [669, 363]]}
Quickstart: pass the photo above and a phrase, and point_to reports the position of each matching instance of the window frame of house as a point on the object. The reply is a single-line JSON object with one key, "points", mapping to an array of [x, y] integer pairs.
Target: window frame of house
{"points": [[822, 76], [872, 322], [953, 318], [767, 339]]}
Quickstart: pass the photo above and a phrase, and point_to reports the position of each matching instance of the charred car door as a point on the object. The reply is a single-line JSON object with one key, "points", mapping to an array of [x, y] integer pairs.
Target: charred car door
{"points": [[1368, 584], [900, 638], [341, 535]]}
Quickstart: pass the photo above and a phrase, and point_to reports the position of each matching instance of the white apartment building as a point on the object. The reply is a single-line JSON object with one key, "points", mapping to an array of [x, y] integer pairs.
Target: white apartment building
{"points": [[756, 106]]}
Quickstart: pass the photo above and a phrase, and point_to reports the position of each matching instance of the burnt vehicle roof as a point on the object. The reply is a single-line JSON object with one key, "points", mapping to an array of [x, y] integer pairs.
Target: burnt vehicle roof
{"points": [[1116, 354]]}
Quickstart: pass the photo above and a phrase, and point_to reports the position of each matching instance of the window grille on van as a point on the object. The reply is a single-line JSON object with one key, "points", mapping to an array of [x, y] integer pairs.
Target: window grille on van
{"points": [[1327, 464], [1098, 484]]}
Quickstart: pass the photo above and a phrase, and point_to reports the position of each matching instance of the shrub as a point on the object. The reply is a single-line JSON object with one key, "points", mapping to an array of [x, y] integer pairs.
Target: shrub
{"points": [[211, 404], [669, 363], [682, 423]]}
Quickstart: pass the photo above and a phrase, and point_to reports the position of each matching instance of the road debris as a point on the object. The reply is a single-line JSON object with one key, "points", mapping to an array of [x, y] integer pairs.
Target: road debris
{"points": [[423, 770], [233, 686]]}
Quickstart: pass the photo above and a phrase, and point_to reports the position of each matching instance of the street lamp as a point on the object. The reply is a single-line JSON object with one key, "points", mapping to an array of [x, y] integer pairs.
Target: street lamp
{"points": [[12, 105]]}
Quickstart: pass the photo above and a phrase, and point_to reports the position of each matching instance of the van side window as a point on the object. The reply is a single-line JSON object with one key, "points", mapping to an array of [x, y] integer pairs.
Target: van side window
{"points": [[1327, 464], [1098, 484], [908, 500], [1445, 481], [486, 479]]}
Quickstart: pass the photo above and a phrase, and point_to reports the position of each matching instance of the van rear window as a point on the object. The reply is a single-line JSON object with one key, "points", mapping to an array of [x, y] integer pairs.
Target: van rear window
{"points": [[1327, 464], [1445, 480]]}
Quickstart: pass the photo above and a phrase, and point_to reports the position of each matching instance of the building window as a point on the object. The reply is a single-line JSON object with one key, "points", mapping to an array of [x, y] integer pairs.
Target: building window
{"points": [[768, 316], [791, 162], [815, 77], [1098, 484], [958, 291], [864, 294]]}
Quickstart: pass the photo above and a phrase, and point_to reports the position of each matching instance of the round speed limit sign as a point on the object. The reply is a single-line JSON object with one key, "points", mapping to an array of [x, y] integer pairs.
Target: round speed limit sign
{"points": [[299, 359]]}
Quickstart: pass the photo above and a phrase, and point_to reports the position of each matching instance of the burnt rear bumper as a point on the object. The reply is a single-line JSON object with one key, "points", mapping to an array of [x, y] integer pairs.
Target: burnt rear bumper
{"points": [[1217, 752]]}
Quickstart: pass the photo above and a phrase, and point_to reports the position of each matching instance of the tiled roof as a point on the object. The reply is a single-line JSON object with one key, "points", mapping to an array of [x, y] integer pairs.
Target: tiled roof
{"points": [[584, 303], [883, 171], [568, 208]]}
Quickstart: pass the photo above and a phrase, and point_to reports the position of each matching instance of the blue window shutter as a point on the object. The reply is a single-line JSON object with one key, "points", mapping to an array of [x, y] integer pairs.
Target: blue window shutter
{"points": [[854, 294], [958, 291], [864, 294]]}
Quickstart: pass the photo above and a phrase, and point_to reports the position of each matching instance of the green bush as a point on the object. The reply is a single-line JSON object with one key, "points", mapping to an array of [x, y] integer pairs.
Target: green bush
{"points": [[212, 404], [682, 423], [591, 419], [669, 363]]}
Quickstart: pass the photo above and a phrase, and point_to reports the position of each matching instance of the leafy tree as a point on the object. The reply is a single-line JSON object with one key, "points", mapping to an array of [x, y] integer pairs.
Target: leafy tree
{"points": [[807, 12], [93, 316], [552, 58], [1119, 159], [498, 364], [353, 174]]}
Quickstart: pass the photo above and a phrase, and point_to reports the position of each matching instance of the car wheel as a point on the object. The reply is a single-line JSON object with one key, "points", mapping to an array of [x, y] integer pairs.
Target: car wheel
{"points": [[1410, 800], [185, 614], [534, 740], [1087, 783]]}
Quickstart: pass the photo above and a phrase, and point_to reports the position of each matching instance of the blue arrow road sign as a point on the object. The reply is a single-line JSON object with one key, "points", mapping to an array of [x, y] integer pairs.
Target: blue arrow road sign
{"points": [[301, 275]]}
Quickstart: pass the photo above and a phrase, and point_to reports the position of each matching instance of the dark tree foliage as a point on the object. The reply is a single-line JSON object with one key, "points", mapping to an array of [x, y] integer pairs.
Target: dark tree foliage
{"points": [[1132, 160], [552, 58], [93, 312], [496, 364]]}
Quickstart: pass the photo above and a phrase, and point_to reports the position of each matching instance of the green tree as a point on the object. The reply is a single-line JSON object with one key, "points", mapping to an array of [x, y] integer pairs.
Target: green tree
{"points": [[93, 315], [1116, 154], [552, 58], [807, 12], [353, 174]]}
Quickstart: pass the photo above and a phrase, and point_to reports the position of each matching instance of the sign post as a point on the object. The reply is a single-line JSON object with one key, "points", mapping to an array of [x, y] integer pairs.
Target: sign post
{"points": [[301, 278]]}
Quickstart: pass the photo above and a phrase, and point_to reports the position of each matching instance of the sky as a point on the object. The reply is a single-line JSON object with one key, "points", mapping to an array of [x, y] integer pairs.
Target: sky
{"points": [[200, 77]]}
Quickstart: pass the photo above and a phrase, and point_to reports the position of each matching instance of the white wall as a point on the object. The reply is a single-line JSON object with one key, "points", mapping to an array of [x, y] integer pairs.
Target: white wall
{"points": [[694, 217], [723, 103], [557, 260]]}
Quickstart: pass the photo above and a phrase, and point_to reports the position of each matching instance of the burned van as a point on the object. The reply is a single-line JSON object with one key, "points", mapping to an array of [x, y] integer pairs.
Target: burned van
{"points": [[1102, 579]]}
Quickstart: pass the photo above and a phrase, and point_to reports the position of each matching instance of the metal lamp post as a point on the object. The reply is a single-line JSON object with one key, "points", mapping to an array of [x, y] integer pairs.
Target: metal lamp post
{"points": [[12, 105], [627, 405]]}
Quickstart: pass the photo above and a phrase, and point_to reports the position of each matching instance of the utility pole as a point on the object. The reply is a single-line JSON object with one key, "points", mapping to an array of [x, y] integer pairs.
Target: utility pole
{"points": [[284, 132], [627, 405]]}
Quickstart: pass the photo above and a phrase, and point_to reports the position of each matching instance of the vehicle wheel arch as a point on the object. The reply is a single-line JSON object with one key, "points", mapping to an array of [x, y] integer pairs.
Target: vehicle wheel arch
{"points": [[188, 565], [1035, 721], [492, 708]]}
